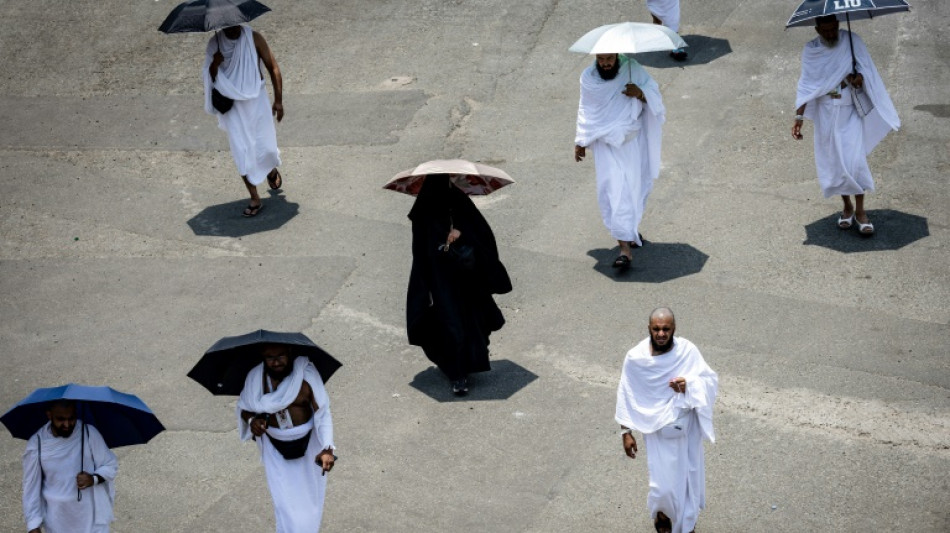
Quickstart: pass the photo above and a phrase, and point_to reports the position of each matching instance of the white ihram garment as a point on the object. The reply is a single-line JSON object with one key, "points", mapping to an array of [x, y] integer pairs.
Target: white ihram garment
{"points": [[50, 494], [297, 486], [842, 137], [250, 121], [668, 11], [624, 136], [673, 425]]}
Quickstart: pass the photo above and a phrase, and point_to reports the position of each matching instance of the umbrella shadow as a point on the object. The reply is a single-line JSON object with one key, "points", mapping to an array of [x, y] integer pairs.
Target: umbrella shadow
{"points": [[892, 230], [654, 262], [226, 220], [701, 49], [505, 379]]}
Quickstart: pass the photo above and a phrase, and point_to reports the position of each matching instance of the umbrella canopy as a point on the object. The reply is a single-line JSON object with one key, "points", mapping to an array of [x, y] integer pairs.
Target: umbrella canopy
{"points": [[844, 9], [211, 15], [225, 365], [474, 179], [628, 38], [122, 419]]}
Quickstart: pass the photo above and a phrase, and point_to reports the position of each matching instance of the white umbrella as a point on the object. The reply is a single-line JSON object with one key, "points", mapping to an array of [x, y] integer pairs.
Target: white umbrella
{"points": [[628, 38]]}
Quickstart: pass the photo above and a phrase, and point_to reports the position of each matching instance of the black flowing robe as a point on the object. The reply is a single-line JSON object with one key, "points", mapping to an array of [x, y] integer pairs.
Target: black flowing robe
{"points": [[450, 311]]}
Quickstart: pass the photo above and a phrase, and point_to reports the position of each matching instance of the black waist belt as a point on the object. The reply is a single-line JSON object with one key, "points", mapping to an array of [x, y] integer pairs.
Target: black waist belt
{"points": [[292, 449]]}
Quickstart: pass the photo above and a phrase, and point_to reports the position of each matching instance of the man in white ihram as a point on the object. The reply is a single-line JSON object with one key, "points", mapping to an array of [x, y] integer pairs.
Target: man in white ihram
{"points": [[667, 13], [57, 496], [232, 68], [667, 393], [827, 94], [620, 117], [286, 409]]}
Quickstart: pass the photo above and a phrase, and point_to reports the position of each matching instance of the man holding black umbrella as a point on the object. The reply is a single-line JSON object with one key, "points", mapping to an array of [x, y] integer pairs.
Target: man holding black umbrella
{"points": [[837, 71], [285, 407], [235, 91], [55, 497]]}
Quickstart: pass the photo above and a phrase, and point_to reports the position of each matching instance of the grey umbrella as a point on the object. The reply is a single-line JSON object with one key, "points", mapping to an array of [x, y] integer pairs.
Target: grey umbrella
{"points": [[809, 10], [211, 15]]}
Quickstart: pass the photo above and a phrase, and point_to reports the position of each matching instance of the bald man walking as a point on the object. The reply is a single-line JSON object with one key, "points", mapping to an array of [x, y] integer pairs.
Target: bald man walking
{"points": [[666, 393]]}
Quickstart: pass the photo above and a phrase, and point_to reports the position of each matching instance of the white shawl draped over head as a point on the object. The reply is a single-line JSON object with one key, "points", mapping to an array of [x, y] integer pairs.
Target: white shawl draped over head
{"points": [[645, 401], [254, 400], [823, 70], [668, 11], [606, 114], [239, 76]]}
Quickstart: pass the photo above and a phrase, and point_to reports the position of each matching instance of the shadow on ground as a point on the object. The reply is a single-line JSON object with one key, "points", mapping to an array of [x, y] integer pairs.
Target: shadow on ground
{"points": [[701, 50], [505, 379], [937, 110], [892, 230], [654, 262], [226, 220]]}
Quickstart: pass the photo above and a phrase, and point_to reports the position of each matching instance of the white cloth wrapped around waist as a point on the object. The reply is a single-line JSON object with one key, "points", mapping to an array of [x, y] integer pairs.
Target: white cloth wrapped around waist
{"points": [[679, 427], [293, 433]]}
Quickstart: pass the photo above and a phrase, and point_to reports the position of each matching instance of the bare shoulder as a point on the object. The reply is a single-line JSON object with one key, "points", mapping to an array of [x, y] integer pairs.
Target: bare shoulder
{"points": [[259, 40]]}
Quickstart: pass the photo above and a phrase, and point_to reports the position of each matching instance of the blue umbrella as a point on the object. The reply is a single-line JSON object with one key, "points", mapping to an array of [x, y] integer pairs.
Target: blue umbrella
{"points": [[809, 10], [121, 418]]}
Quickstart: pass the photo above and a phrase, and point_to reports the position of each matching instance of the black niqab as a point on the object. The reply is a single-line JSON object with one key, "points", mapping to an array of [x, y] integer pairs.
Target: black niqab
{"points": [[450, 312]]}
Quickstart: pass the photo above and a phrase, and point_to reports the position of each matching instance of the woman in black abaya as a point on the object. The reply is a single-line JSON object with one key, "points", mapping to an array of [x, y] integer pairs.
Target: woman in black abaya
{"points": [[450, 311]]}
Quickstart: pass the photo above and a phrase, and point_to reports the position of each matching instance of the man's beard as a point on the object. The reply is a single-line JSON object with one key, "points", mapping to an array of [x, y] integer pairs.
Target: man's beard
{"points": [[274, 374], [609, 74], [661, 349], [830, 44], [63, 434]]}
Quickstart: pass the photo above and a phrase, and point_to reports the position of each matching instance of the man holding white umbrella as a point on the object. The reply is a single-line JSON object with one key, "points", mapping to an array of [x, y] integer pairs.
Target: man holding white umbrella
{"points": [[620, 117]]}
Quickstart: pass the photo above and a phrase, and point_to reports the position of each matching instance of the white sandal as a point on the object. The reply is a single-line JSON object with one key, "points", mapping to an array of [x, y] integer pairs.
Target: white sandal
{"points": [[845, 223], [866, 229]]}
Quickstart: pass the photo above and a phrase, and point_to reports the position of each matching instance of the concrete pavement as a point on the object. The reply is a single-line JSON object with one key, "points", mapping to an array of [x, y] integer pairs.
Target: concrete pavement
{"points": [[124, 257]]}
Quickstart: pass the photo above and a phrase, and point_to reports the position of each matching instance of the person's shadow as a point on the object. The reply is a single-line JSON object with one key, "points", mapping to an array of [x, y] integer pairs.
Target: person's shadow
{"points": [[502, 382], [654, 262], [701, 50], [892, 230], [226, 220]]}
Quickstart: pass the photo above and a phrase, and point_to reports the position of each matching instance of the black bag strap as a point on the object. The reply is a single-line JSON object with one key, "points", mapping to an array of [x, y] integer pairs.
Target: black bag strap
{"points": [[39, 456]]}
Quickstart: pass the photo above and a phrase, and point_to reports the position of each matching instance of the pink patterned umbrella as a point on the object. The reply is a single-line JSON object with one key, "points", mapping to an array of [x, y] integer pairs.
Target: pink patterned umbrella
{"points": [[473, 179]]}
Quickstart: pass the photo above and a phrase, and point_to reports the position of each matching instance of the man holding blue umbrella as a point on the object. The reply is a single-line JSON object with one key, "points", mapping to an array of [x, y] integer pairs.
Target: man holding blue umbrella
{"points": [[52, 457], [68, 468]]}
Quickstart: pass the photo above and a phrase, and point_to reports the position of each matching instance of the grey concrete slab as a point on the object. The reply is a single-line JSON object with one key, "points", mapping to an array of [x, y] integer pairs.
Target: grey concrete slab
{"points": [[167, 123], [834, 405]]}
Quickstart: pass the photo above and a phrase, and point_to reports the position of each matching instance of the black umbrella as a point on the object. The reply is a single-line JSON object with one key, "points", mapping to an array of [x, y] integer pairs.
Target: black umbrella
{"points": [[225, 365], [851, 9], [211, 15]]}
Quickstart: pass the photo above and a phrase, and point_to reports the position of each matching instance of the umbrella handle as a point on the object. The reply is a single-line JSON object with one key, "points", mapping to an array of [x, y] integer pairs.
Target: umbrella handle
{"points": [[82, 452], [854, 61]]}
